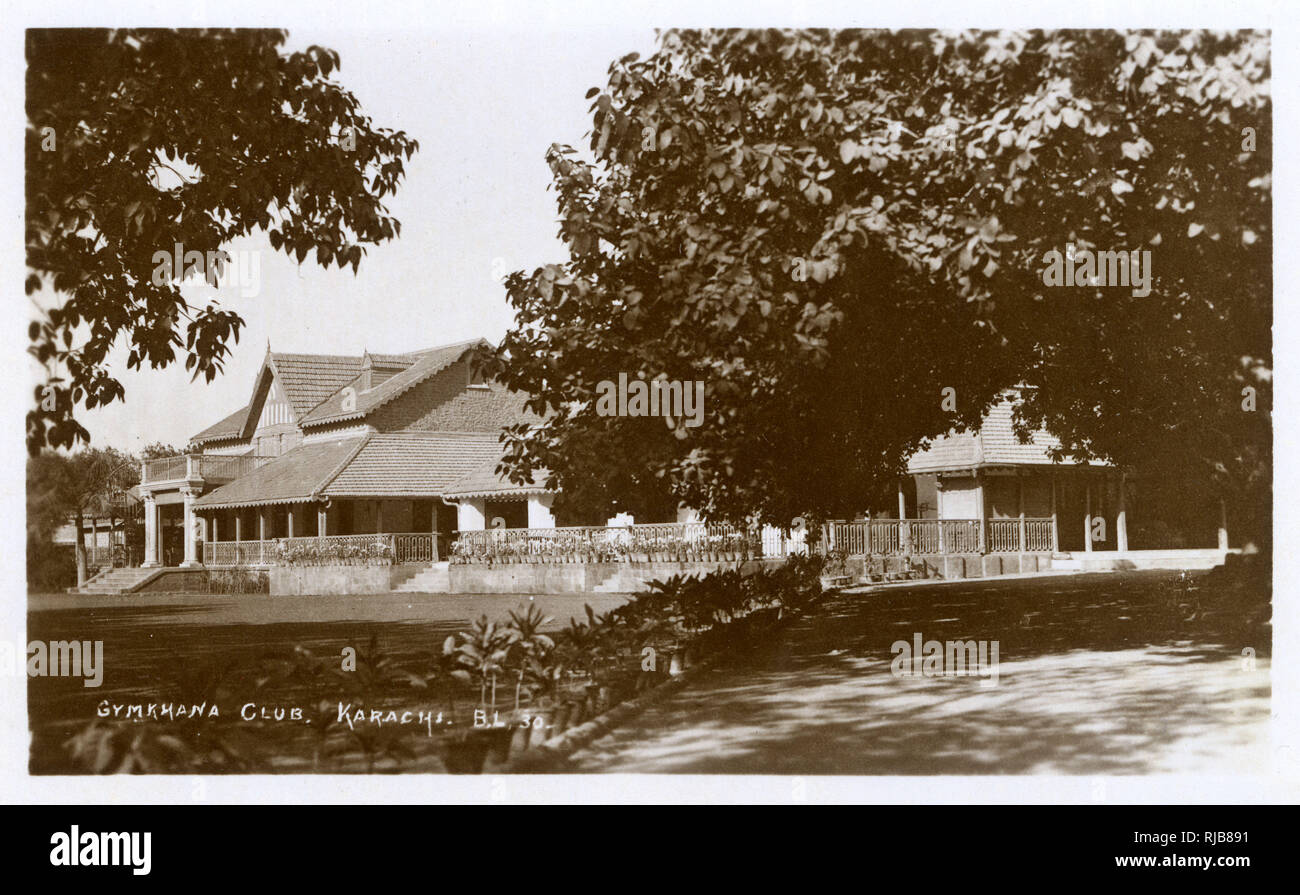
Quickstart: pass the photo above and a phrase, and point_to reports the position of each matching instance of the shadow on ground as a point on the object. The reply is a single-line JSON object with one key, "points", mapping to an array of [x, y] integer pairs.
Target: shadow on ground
{"points": [[1101, 674]]}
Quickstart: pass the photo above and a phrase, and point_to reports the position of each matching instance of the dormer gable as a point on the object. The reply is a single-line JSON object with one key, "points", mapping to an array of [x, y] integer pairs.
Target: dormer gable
{"points": [[269, 404], [376, 368]]}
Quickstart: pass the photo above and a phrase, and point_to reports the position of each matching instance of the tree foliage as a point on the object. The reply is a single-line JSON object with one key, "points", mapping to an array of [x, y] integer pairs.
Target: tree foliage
{"points": [[157, 450], [141, 140], [830, 228], [67, 487]]}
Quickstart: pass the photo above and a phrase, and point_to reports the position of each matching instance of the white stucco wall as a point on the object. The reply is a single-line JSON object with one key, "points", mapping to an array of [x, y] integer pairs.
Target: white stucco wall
{"points": [[959, 498], [470, 516], [539, 511]]}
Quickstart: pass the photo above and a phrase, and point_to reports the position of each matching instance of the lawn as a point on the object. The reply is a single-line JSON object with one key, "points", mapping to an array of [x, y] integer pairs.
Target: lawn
{"points": [[248, 649]]}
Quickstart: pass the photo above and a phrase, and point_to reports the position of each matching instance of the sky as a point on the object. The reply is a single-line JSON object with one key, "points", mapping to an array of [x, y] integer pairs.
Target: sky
{"points": [[484, 106]]}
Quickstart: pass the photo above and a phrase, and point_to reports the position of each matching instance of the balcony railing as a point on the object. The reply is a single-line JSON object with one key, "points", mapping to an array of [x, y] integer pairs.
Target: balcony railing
{"points": [[671, 542], [412, 547], [893, 537], [666, 542], [200, 467], [220, 554]]}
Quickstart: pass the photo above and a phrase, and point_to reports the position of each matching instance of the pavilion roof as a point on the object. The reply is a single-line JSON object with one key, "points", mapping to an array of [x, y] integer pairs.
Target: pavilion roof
{"points": [[994, 444]]}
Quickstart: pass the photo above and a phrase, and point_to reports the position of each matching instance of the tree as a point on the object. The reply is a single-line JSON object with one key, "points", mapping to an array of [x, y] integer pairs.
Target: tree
{"points": [[158, 450], [63, 487], [141, 141], [831, 228]]}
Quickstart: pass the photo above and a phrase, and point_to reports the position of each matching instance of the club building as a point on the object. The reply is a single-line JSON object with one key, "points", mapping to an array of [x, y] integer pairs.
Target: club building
{"points": [[331, 446], [402, 449]]}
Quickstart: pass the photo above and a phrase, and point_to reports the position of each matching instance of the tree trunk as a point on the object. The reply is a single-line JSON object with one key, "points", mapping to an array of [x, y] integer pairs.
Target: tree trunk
{"points": [[79, 547]]}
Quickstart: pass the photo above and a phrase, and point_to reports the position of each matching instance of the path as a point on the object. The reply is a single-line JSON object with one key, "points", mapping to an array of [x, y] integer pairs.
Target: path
{"points": [[1084, 687]]}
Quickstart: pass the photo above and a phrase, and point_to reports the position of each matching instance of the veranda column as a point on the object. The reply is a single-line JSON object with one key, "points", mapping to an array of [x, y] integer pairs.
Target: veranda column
{"points": [[379, 516], [943, 544], [1121, 519], [94, 538], [1056, 539], [1020, 504], [539, 511], [261, 534], [1087, 514], [471, 515], [289, 528], [979, 487], [191, 560], [1223, 525], [322, 522], [239, 525], [904, 533], [150, 532]]}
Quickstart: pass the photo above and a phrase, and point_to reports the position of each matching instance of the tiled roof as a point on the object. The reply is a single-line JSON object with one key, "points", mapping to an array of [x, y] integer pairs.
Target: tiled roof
{"points": [[308, 379], [428, 363], [295, 476], [995, 444], [484, 482], [230, 427], [395, 360], [412, 464]]}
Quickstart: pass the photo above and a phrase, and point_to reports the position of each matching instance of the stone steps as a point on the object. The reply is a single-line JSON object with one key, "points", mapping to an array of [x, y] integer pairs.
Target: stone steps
{"points": [[115, 581], [431, 579], [404, 573]]}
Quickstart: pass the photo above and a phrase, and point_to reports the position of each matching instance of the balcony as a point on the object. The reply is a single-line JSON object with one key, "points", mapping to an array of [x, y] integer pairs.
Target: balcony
{"points": [[215, 469]]}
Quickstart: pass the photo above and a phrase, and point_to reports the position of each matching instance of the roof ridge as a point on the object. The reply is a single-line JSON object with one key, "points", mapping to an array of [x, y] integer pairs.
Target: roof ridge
{"points": [[301, 354], [398, 392], [415, 353], [352, 455], [436, 433]]}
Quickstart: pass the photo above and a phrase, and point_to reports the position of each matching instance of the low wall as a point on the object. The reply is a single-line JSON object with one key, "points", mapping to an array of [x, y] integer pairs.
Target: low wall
{"points": [[570, 578], [953, 565], [332, 579], [1108, 560], [189, 581]]}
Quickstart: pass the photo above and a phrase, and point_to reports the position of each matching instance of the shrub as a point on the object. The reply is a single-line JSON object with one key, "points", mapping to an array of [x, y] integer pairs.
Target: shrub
{"points": [[326, 552]]}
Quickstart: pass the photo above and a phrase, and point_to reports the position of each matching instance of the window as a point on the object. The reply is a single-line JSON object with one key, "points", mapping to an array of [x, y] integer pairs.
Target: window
{"points": [[476, 380]]}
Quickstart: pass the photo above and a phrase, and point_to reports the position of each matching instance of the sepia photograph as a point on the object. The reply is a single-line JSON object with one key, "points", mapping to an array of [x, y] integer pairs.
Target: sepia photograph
{"points": [[541, 399]]}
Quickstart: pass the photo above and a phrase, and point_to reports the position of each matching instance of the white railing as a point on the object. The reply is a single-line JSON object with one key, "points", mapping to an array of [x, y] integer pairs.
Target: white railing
{"points": [[165, 469], [1038, 535], [893, 537], [777, 542], [402, 547], [414, 548], [238, 553], [960, 536], [1003, 535], [665, 542], [205, 467]]}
